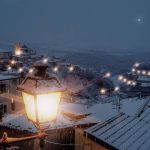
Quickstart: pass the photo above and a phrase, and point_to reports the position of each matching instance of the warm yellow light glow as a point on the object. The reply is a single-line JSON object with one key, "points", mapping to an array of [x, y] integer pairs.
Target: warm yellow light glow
{"points": [[18, 52], [47, 105], [31, 70], [42, 107], [13, 62], [29, 106], [103, 91]]}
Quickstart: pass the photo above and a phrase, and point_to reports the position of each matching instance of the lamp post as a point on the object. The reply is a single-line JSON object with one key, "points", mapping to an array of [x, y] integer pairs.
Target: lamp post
{"points": [[41, 95]]}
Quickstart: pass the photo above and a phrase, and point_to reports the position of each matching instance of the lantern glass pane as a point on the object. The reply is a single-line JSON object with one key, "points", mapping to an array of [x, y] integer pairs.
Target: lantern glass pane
{"points": [[29, 106], [47, 106]]}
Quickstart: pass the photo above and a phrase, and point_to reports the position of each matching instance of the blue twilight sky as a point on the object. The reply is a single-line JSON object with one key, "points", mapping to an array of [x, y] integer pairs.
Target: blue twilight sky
{"points": [[100, 24]]}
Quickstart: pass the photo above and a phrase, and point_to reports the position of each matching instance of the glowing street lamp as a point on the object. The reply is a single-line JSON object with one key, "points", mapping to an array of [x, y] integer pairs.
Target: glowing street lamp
{"points": [[129, 82], [133, 83], [9, 68], [31, 70], [116, 89], [136, 65], [71, 68], [133, 69], [20, 70], [41, 95], [103, 91], [148, 73], [138, 72], [18, 52], [13, 62], [144, 72], [120, 77], [124, 80], [55, 69], [45, 60]]}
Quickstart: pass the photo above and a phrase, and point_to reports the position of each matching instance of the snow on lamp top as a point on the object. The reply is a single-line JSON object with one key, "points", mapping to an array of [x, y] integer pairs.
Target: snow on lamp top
{"points": [[39, 82]]}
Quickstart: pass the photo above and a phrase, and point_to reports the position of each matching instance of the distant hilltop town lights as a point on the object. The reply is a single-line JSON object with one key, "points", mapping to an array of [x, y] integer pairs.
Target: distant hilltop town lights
{"points": [[138, 71], [126, 81]]}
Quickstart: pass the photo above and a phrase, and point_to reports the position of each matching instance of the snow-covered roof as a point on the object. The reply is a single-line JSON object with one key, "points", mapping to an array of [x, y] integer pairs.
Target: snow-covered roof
{"points": [[7, 77], [96, 113], [123, 131], [4, 50]]}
